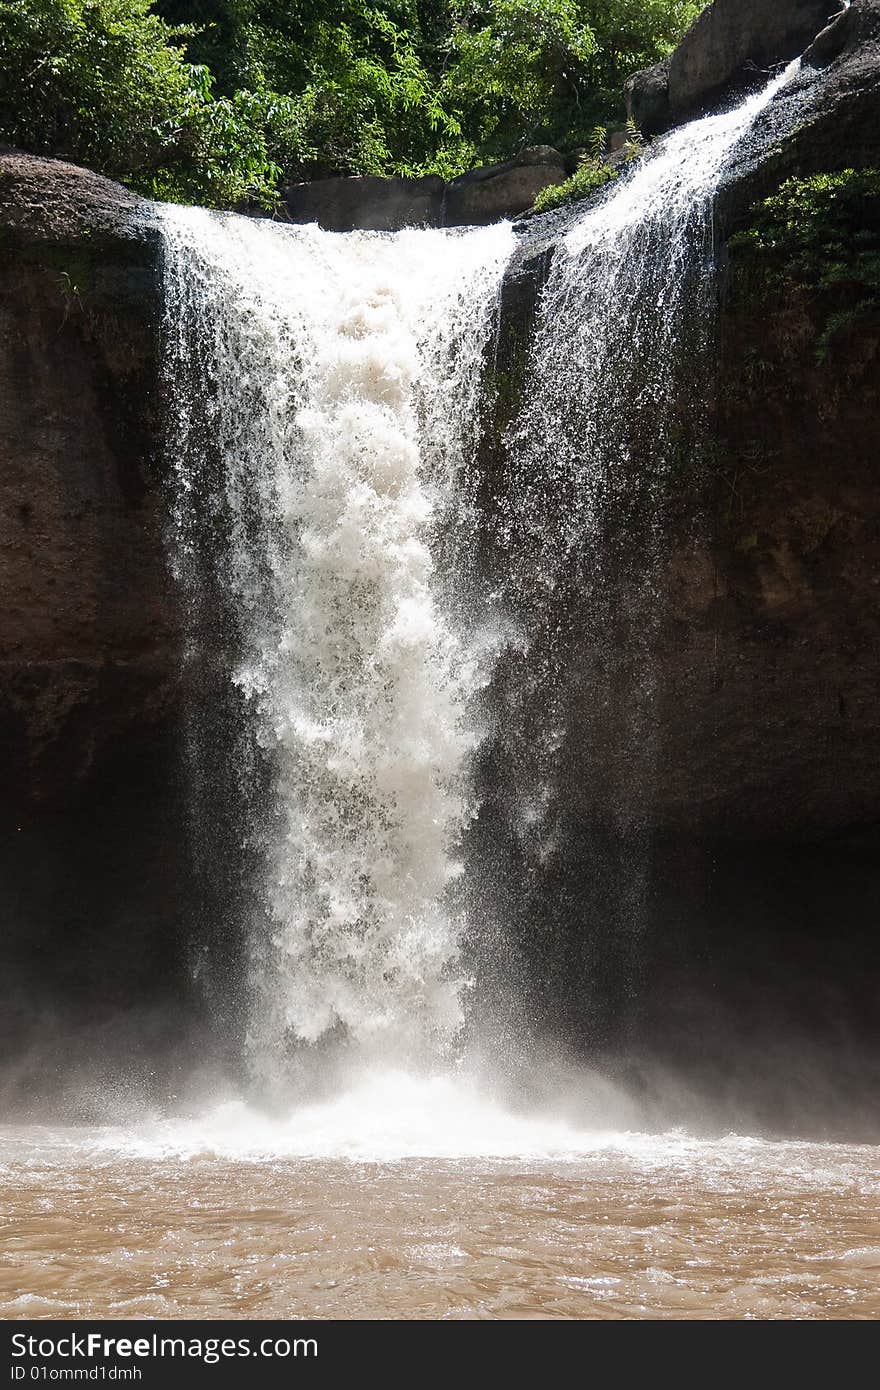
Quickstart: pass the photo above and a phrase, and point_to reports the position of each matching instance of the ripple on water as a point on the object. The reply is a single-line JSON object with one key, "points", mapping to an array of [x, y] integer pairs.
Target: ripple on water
{"points": [[203, 1217]]}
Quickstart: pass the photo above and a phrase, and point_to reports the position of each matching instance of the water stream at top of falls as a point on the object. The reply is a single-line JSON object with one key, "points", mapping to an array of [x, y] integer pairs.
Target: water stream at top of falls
{"points": [[624, 326], [326, 411]]}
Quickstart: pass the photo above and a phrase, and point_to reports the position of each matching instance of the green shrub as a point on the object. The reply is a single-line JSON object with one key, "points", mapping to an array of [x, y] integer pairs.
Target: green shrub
{"points": [[815, 225], [219, 101], [106, 83], [822, 234], [590, 175]]}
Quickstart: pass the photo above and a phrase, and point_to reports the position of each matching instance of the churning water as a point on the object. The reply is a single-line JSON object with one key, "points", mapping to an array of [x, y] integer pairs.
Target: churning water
{"points": [[112, 1225], [338, 379]]}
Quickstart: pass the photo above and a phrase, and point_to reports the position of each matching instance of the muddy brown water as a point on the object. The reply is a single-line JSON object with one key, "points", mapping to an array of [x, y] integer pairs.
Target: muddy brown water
{"points": [[637, 1228]]}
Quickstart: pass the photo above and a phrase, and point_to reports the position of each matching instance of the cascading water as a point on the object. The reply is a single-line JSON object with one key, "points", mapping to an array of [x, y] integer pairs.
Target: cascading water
{"points": [[613, 389], [336, 382], [624, 318], [327, 397]]}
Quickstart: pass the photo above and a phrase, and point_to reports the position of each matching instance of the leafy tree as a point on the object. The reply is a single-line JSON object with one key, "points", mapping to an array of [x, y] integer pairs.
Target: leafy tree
{"points": [[106, 83], [513, 64], [419, 86], [218, 101], [633, 34]]}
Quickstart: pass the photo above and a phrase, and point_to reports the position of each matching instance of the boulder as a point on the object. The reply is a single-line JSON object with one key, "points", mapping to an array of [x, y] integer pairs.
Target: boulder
{"points": [[852, 36], [731, 45], [647, 98], [48, 201], [366, 203], [483, 195], [502, 190]]}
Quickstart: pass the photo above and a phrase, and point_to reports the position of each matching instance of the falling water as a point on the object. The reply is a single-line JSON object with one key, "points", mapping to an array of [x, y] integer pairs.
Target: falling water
{"points": [[327, 411], [326, 405], [624, 326], [613, 390], [337, 382]]}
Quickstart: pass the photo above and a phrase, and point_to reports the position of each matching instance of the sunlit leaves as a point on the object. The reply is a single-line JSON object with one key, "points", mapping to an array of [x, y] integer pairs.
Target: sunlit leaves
{"points": [[220, 101]]}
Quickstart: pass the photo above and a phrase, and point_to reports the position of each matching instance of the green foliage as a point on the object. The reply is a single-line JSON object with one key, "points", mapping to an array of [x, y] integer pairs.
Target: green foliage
{"points": [[598, 142], [821, 234], [590, 175], [368, 101], [550, 71], [629, 35], [106, 83], [813, 226], [221, 100], [100, 81], [513, 64], [634, 144]]}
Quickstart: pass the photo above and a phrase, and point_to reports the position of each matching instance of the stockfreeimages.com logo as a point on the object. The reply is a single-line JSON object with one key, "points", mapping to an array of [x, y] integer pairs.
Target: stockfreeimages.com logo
{"points": [[94, 1346]]}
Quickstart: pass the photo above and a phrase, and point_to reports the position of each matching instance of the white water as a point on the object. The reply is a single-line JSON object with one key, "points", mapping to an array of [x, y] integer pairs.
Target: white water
{"points": [[625, 325], [383, 1116], [613, 409], [327, 391], [675, 183], [341, 377], [391, 1115]]}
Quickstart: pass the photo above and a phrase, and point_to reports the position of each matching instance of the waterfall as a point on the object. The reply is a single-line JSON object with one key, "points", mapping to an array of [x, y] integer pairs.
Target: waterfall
{"points": [[624, 319], [326, 411], [326, 392], [609, 416]]}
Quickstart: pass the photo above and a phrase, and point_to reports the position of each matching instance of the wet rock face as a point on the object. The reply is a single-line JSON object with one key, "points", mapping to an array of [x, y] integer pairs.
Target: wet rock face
{"points": [[731, 45], [765, 623], [769, 646], [731, 699], [91, 831], [90, 634]]}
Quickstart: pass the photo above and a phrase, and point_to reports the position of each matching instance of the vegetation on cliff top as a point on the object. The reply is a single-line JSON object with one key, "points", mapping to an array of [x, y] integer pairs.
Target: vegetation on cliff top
{"points": [[822, 235], [593, 170], [215, 101]]}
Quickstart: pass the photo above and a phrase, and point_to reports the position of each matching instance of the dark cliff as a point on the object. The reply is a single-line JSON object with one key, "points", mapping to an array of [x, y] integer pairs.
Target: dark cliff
{"points": [[89, 635], [89, 674]]}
